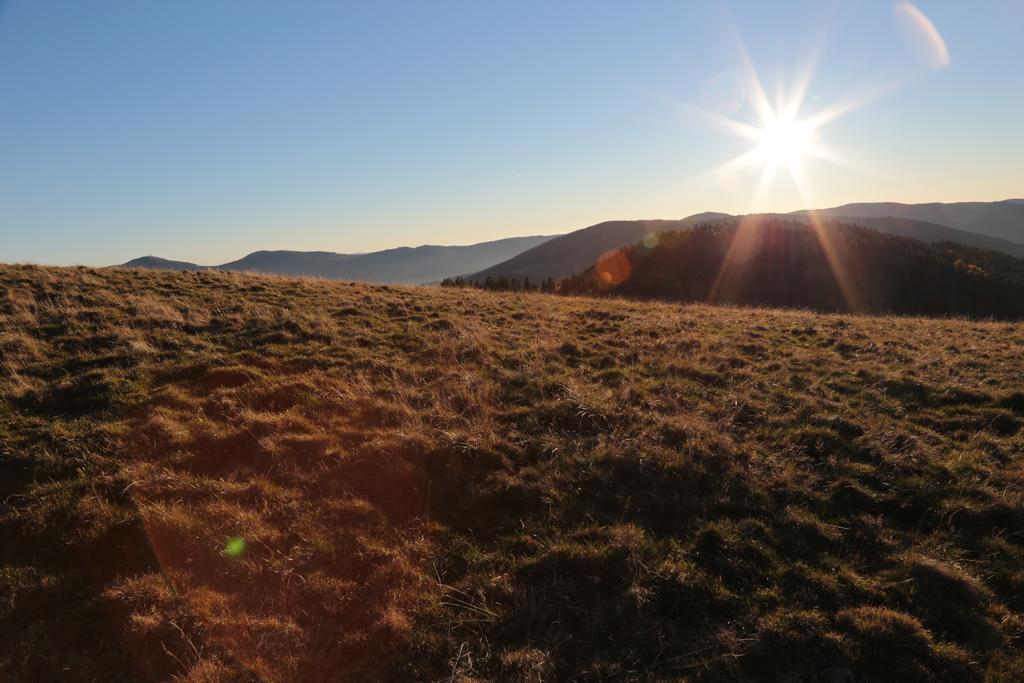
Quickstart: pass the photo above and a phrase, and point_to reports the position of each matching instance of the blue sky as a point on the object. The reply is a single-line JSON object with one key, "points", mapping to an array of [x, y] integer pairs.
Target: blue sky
{"points": [[202, 130]]}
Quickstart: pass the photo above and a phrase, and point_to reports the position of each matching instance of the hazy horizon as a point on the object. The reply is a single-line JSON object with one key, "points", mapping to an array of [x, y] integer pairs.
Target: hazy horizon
{"points": [[468, 244], [199, 133]]}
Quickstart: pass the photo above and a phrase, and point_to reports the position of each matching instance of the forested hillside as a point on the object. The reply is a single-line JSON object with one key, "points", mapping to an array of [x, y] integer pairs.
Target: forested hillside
{"points": [[830, 266]]}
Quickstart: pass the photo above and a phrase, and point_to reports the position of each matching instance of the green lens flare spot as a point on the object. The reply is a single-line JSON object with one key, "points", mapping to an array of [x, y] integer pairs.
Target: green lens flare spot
{"points": [[234, 547]]}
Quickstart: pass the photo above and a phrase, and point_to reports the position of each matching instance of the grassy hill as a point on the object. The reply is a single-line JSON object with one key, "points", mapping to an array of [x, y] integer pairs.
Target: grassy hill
{"points": [[210, 476], [836, 266]]}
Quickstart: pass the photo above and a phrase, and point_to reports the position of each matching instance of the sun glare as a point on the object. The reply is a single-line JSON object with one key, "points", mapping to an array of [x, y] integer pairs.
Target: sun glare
{"points": [[782, 139], [785, 136], [785, 141]]}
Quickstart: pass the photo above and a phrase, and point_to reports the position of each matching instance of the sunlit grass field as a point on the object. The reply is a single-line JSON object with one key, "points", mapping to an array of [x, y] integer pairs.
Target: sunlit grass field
{"points": [[210, 476]]}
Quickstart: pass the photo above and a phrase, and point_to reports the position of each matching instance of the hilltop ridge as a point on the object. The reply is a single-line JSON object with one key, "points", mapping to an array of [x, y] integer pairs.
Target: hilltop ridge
{"points": [[1001, 219]]}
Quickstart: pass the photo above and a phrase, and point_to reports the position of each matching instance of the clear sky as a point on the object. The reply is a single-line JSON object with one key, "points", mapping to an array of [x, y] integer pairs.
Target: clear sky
{"points": [[203, 129]]}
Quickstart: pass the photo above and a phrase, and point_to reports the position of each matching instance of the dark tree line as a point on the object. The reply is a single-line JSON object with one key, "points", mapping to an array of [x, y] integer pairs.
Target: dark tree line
{"points": [[504, 284]]}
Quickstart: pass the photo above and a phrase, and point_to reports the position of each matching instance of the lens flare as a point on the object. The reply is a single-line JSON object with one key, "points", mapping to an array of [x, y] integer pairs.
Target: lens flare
{"points": [[613, 268], [722, 93], [234, 547], [924, 39]]}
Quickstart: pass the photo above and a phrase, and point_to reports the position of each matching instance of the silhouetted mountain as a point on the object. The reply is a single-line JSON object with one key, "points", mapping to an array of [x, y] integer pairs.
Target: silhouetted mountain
{"points": [[571, 253], [405, 265], [318, 263], [773, 261], [932, 232], [1004, 219], [157, 263], [974, 224]]}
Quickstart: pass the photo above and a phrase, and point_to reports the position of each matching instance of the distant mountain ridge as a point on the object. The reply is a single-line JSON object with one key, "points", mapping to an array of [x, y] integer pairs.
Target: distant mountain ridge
{"points": [[1003, 219], [403, 265], [997, 226], [927, 232]]}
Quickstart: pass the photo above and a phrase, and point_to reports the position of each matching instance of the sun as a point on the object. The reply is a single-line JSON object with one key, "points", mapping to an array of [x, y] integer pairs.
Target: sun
{"points": [[781, 140], [785, 141], [785, 138]]}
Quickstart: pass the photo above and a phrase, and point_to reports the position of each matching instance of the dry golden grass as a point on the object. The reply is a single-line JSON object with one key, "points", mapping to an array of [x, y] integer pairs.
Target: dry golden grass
{"points": [[215, 477]]}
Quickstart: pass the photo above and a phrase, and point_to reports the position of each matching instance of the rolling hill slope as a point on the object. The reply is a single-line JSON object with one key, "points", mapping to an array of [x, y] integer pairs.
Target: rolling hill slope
{"points": [[571, 253], [215, 476], [404, 265], [774, 261]]}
